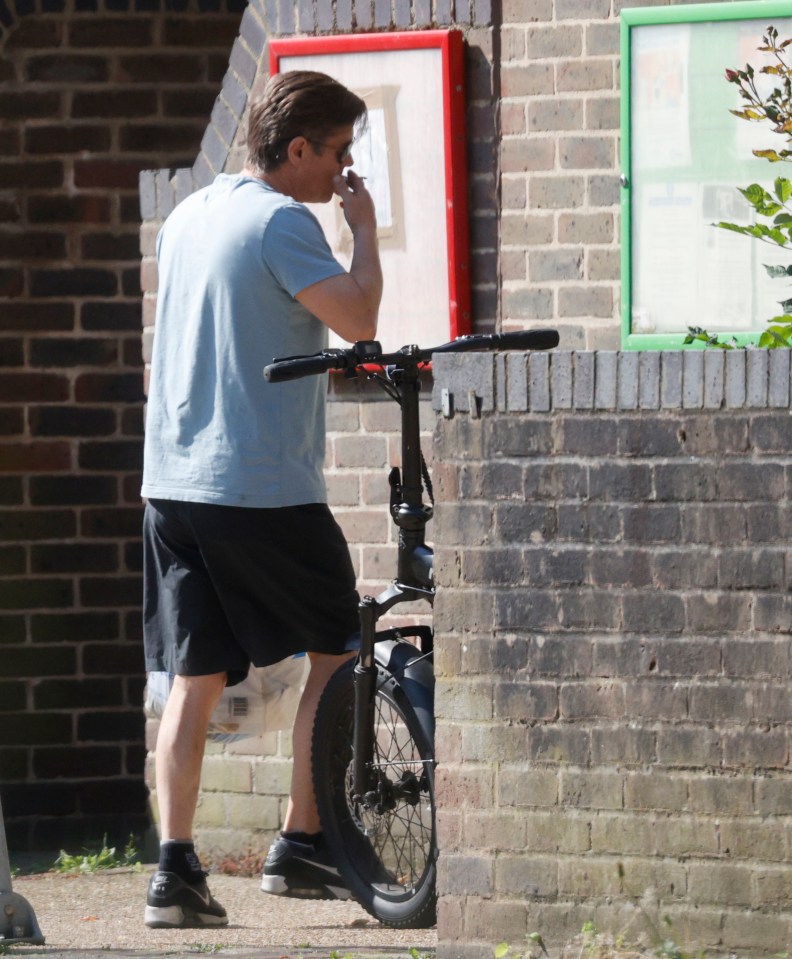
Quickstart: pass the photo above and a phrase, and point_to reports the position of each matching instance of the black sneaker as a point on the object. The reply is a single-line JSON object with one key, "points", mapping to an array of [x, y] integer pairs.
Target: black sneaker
{"points": [[302, 870], [173, 903]]}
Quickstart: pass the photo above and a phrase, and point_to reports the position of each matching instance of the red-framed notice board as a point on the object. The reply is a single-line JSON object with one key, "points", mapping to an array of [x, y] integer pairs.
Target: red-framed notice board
{"points": [[413, 155]]}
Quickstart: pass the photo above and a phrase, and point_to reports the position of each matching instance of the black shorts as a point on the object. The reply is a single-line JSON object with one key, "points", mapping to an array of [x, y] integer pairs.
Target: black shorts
{"points": [[226, 586]]}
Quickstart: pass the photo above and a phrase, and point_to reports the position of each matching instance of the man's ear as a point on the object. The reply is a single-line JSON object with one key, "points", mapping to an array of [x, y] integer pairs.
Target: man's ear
{"points": [[296, 149]]}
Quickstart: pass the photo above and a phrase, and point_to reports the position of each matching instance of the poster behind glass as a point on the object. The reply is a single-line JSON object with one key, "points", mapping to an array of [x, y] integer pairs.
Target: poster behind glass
{"points": [[688, 156]]}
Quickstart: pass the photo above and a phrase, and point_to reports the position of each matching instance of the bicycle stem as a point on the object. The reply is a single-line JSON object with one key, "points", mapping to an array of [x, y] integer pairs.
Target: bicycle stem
{"points": [[410, 513]]}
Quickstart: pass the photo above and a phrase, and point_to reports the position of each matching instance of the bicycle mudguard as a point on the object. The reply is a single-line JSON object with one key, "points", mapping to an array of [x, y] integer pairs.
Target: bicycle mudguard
{"points": [[413, 672]]}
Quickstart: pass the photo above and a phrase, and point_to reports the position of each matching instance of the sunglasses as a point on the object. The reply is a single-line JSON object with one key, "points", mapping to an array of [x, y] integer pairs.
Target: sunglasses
{"points": [[341, 154]]}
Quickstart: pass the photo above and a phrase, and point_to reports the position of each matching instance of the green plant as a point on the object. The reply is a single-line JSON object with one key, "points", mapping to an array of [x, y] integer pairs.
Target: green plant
{"points": [[697, 334], [504, 951], [773, 210], [417, 954], [776, 335], [105, 858], [667, 947], [664, 944]]}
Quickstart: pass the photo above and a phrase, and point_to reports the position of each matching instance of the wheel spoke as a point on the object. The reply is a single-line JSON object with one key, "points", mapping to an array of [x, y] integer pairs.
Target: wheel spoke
{"points": [[385, 849], [402, 840]]}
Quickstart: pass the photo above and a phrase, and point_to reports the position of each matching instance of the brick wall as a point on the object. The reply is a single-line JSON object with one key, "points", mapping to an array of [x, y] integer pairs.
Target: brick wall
{"points": [[540, 687], [559, 239], [613, 649], [90, 93]]}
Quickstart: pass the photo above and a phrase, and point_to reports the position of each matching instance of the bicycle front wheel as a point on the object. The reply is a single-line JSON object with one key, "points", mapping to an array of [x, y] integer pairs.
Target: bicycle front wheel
{"points": [[385, 849]]}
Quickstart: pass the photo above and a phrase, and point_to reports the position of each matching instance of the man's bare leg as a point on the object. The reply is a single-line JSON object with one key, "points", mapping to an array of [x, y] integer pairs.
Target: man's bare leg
{"points": [[301, 866], [178, 896], [180, 749], [301, 812]]}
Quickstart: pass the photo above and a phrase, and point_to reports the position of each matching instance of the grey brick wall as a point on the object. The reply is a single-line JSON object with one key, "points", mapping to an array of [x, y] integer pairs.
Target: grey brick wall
{"points": [[613, 616]]}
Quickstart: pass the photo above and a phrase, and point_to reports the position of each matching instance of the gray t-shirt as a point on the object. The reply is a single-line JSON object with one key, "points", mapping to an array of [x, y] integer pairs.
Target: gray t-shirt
{"points": [[231, 259]]}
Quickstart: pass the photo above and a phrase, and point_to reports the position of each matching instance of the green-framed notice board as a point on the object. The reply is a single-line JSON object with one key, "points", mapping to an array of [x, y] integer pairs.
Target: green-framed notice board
{"points": [[683, 157]]}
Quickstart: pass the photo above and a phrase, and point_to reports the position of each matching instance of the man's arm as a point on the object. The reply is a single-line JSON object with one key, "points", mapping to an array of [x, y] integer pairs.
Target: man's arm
{"points": [[348, 303]]}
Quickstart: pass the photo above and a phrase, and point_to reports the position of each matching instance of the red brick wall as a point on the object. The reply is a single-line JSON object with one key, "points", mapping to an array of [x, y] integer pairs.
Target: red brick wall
{"points": [[87, 100]]}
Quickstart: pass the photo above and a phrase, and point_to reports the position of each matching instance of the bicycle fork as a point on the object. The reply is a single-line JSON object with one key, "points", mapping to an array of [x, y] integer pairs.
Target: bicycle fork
{"points": [[365, 680], [377, 785]]}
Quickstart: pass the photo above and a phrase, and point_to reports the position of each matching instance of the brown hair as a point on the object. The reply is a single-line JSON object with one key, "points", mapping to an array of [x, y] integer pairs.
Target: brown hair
{"points": [[297, 103]]}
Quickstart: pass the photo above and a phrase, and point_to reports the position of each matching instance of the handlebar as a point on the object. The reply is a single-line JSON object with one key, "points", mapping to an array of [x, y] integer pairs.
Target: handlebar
{"points": [[370, 352], [294, 367]]}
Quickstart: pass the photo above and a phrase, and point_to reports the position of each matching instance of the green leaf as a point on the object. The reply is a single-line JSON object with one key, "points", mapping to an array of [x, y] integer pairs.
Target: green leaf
{"points": [[783, 189], [770, 155], [777, 271], [501, 950], [735, 228], [696, 334], [761, 200], [536, 937], [770, 208], [755, 193], [775, 337]]}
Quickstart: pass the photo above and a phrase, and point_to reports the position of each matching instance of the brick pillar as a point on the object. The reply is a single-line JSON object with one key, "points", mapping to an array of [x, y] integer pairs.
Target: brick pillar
{"points": [[613, 649], [87, 99]]}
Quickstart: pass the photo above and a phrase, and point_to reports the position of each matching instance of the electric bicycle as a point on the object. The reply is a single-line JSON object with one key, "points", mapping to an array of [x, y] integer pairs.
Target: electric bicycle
{"points": [[373, 739]]}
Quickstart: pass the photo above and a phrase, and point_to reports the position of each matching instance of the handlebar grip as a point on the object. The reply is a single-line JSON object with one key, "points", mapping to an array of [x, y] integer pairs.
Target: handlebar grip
{"points": [[518, 340], [292, 369], [526, 340]]}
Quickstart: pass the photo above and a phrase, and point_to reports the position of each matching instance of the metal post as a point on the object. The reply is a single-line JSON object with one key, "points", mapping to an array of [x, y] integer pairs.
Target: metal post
{"points": [[17, 919]]}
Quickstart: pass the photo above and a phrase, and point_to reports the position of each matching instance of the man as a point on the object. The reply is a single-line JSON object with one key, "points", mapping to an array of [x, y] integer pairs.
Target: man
{"points": [[242, 560]]}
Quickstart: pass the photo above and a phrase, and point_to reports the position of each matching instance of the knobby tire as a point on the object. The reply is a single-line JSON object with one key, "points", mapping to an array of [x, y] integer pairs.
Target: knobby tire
{"points": [[387, 858]]}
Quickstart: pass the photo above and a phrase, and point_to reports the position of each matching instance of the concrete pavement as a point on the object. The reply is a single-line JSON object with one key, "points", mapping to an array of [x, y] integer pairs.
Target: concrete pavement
{"points": [[87, 916]]}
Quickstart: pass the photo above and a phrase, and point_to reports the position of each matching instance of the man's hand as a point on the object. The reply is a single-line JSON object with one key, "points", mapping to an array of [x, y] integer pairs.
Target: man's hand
{"points": [[356, 201], [348, 303]]}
